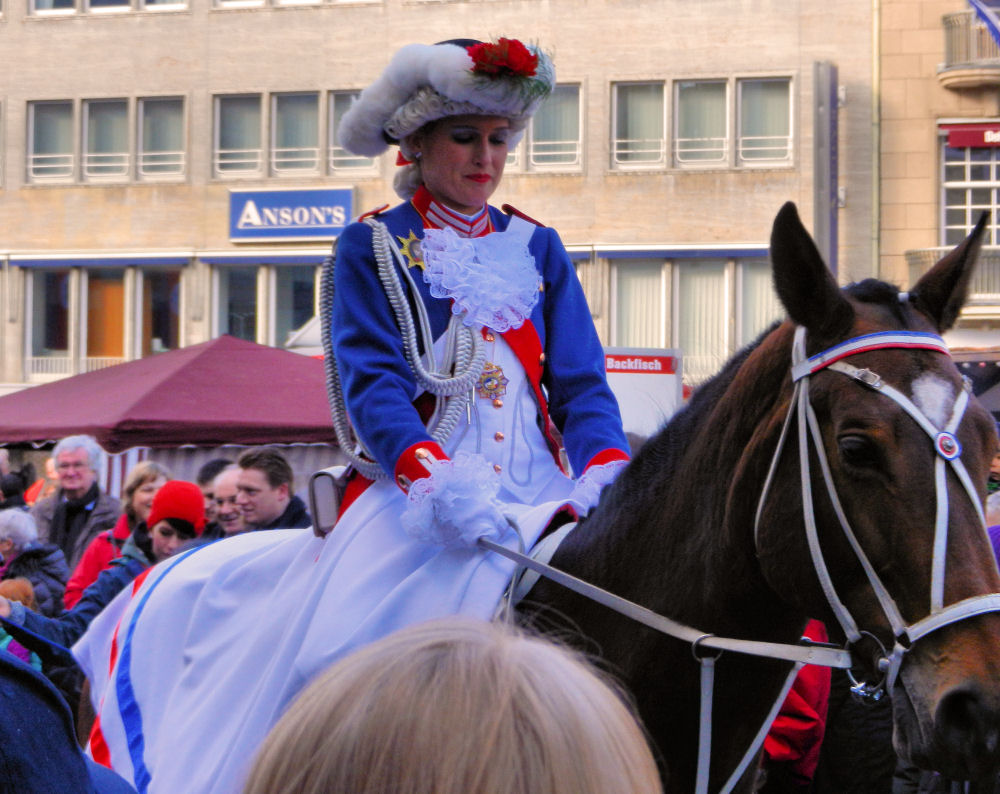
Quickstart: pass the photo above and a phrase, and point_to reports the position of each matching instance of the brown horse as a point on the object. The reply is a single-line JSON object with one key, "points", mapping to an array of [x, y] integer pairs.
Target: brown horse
{"points": [[676, 532]]}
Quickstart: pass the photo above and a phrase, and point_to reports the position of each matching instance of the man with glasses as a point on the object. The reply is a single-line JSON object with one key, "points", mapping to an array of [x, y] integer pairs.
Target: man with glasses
{"points": [[78, 510]]}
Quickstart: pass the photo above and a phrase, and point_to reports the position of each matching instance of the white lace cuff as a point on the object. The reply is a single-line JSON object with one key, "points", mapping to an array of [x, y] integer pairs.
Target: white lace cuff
{"points": [[457, 504], [587, 490], [492, 279]]}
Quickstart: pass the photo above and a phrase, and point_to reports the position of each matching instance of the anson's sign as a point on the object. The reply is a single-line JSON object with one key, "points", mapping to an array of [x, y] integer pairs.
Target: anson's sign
{"points": [[308, 214]]}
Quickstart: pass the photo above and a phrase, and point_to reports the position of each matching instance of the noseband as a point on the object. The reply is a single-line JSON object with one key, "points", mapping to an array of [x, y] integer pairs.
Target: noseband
{"points": [[948, 453]]}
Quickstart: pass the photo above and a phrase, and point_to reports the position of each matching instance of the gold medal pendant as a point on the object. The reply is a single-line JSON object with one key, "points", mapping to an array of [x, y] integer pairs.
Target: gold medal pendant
{"points": [[492, 383]]}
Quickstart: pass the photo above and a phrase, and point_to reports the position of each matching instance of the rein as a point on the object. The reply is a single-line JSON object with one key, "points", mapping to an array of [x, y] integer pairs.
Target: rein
{"points": [[703, 644]]}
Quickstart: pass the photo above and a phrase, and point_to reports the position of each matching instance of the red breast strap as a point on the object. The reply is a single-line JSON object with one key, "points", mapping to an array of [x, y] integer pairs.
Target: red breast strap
{"points": [[527, 346]]}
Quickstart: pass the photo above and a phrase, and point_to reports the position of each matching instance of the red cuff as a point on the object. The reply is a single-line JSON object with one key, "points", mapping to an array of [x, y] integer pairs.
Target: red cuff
{"points": [[607, 456], [412, 464]]}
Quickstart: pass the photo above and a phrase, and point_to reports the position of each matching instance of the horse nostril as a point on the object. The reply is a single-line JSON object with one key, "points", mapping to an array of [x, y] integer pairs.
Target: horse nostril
{"points": [[968, 729]]}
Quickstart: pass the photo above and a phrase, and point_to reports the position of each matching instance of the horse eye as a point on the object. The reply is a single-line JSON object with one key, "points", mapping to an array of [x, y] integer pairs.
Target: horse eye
{"points": [[857, 451]]}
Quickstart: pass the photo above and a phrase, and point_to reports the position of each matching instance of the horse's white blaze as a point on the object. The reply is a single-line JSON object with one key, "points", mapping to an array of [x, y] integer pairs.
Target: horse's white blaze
{"points": [[934, 396]]}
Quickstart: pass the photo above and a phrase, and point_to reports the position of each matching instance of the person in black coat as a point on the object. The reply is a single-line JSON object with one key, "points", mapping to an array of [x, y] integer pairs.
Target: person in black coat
{"points": [[44, 565]]}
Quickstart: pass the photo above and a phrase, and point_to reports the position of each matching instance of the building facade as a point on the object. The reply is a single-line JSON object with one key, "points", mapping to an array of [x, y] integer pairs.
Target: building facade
{"points": [[169, 169], [940, 148]]}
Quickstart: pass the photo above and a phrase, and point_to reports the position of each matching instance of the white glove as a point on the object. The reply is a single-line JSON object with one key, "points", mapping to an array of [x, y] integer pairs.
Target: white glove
{"points": [[457, 504], [587, 490]]}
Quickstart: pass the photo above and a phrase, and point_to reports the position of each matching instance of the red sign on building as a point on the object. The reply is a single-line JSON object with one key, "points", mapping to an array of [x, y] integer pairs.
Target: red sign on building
{"points": [[972, 136]]}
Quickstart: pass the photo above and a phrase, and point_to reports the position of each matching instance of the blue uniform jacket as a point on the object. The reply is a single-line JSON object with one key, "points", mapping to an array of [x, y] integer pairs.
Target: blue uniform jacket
{"points": [[379, 387]]}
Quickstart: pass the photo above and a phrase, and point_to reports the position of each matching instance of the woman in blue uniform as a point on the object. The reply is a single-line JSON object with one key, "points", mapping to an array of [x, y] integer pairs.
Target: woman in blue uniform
{"points": [[463, 351], [509, 365]]}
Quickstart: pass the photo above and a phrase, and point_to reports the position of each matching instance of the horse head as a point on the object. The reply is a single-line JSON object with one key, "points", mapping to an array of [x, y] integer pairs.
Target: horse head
{"points": [[889, 453]]}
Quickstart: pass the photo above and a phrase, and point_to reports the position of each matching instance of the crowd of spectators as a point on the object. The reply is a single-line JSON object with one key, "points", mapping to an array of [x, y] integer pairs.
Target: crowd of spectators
{"points": [[67, 547]]}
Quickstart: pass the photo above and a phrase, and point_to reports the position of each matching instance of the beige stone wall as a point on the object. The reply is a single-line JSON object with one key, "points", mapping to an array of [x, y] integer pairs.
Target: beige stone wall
{"points": [[203, 51], [912, 101]]}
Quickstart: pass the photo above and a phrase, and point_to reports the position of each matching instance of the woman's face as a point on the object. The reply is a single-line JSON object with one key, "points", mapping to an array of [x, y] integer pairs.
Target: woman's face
{"points": [[462, 159], [165, 540], [142, 498]]}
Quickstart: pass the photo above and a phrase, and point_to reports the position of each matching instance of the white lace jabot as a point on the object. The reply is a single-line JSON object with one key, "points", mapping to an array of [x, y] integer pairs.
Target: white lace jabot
{"points": [[492, 279]]}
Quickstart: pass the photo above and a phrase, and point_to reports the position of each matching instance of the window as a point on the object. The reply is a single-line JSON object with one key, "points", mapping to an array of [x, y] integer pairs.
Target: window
{"points": [[105, 6], [639, 124], [554, 135], [159, 311], [104, 344], [294, 299], [238, 149], [237, 302], [105, 135], [765, 121], [295, 133], [50, 141], [701, 316], [160, 138], [47, 7], [700, 135], [48, 322], [757, 304], [339, 158], [639, 303], [971, 185], [688, 303]]}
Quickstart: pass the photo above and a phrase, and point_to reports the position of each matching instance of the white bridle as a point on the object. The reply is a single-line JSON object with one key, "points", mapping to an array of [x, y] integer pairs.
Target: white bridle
{"points": [[708, 647], [948, 451]]}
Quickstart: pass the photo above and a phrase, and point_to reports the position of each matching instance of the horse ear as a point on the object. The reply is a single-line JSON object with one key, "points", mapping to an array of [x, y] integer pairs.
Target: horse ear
{"points": [[804, 283], [941, 291]]}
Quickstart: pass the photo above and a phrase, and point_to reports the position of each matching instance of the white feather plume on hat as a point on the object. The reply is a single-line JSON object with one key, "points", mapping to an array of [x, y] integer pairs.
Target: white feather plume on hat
{"points": [[424, 82]]}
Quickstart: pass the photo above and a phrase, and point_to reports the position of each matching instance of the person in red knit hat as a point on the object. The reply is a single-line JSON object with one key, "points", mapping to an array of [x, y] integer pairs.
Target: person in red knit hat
{"points": [[176, 517], [141, 485]]}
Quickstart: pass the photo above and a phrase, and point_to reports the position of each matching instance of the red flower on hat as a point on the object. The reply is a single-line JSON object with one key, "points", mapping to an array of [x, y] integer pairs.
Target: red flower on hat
{"points": [[507, 57]]}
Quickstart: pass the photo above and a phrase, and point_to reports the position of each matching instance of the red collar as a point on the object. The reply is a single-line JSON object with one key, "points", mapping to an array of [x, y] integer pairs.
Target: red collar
{"points": [[437, 216]]}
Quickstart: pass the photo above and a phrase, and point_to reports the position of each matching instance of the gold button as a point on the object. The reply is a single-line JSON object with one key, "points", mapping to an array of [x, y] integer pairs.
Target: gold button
{"points": [[541, 288], [490, 338], [541, 358], [498, 436], [404, 482], [497, 402], [497, 468], [421, 453]]}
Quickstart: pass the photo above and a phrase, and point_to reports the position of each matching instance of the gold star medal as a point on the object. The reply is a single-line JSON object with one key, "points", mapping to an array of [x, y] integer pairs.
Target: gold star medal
{"points": [[411, 250], [492, 383]]}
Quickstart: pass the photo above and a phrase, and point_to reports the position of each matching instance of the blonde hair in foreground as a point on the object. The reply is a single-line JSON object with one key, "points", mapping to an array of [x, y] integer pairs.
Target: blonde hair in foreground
{"points": [[457, 706]]}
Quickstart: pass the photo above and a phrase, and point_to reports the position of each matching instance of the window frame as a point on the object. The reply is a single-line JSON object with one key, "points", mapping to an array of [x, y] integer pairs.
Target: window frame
{"points": [[366, 165], [773, 162], [87, 166], [262, 148], [529, 145], [317, 150], [724, 158], [656, 164], [70, 166], [140, 150]]}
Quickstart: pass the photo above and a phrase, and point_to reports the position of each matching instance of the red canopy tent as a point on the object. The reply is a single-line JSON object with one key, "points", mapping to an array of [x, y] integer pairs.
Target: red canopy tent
{"points": [[225, 391]]}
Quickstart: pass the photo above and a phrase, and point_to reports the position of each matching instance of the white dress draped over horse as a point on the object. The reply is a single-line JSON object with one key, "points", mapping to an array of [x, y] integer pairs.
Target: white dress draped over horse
{"points": [[190, 671]]}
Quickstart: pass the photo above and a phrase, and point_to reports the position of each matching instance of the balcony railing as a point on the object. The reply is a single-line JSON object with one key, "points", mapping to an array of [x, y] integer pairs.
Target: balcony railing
{"points": [[971, 56], [984, 289]]}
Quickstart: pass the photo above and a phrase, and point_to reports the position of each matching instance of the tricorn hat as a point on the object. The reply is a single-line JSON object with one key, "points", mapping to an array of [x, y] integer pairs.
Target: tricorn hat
{"points": [[425, 82]]}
